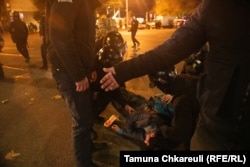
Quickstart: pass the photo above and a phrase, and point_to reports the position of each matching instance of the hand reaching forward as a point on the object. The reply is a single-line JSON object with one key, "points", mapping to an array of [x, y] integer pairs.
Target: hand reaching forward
{"points": [[167, 98], [108, 82], [82, 85]]}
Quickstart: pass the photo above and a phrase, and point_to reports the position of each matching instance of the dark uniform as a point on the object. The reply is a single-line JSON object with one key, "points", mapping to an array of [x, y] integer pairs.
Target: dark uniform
{"points": [[19, 35], [71, 51], [223, 86], [43, 45], [134, 28], [1, 42]]}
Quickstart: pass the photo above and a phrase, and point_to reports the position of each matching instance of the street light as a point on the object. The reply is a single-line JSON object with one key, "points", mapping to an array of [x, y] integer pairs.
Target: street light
{"points": [[127, 14]]}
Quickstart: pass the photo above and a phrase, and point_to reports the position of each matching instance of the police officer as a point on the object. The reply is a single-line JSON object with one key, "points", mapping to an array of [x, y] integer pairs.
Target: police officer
{"points": [[71, 50], [19, 35], [133, 29]]}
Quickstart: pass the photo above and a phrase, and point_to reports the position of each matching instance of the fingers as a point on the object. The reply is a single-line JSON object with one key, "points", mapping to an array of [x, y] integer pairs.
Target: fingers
{"points": [[111, 70], [108, 82], [82, 85], [167, 98]]}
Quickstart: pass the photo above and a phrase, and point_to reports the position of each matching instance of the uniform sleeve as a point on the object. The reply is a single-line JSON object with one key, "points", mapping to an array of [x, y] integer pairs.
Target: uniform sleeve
{"points": [[184, 41]]}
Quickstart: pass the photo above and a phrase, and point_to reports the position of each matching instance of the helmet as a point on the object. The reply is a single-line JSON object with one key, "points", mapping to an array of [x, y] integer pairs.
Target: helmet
{"points": [[16, 14], [115, 40], [109, 56], [163, 79]]}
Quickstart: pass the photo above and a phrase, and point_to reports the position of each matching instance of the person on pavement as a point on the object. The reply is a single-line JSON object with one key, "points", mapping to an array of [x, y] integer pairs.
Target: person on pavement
{"points": [[176, 110], [225, 79]]}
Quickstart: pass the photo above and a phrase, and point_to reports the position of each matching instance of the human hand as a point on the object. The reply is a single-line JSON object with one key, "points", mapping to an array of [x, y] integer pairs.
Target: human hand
{"points": [[108, 82], [115, 128], [129, 109], [167, 98], [82, 85], [93, 76], [148, 137]]}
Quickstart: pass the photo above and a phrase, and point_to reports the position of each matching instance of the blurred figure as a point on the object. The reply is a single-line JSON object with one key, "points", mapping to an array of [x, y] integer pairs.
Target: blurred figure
{"points": [[1, 42], [1, 28], [32, 27], [133, 29], [43, 45], [19, 35], [1, 71]]}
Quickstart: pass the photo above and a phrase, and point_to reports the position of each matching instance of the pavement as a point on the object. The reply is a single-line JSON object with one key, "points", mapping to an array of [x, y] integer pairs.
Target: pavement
{"points": [[35, 124]]}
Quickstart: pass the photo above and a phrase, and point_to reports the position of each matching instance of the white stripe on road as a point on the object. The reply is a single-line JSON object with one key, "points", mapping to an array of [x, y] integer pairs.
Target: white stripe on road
{"points": [[10, 54], [27, 75], [13, 68]]}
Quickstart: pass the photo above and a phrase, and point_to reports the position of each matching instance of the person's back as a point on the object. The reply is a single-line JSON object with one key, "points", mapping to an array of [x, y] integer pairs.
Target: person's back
{"points": [[224, 84]]}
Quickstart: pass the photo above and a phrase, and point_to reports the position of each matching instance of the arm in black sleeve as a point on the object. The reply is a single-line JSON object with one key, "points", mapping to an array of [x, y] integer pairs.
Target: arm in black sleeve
{"points": [[184, 41]]}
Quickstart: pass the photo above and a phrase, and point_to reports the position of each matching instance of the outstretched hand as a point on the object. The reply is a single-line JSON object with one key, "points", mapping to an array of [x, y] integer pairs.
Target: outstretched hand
{"points": [[108, 82], [82, 85], [167, 98]]}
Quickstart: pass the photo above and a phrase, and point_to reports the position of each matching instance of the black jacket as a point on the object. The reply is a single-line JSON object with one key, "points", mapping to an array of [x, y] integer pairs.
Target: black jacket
{"points": [[223, 84], [72, 36], [134, 25], [42, 27], [18, 31]]}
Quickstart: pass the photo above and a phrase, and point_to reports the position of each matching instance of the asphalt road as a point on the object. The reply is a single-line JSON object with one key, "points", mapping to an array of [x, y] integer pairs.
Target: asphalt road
{"points": [[35, 125]]}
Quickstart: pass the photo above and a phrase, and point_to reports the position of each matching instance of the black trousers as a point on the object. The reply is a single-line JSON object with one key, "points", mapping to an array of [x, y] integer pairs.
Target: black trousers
{"points": [[22, 48]]}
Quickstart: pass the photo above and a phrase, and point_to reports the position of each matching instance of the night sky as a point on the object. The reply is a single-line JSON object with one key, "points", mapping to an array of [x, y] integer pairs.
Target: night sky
{"points": [[139, 7]]}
